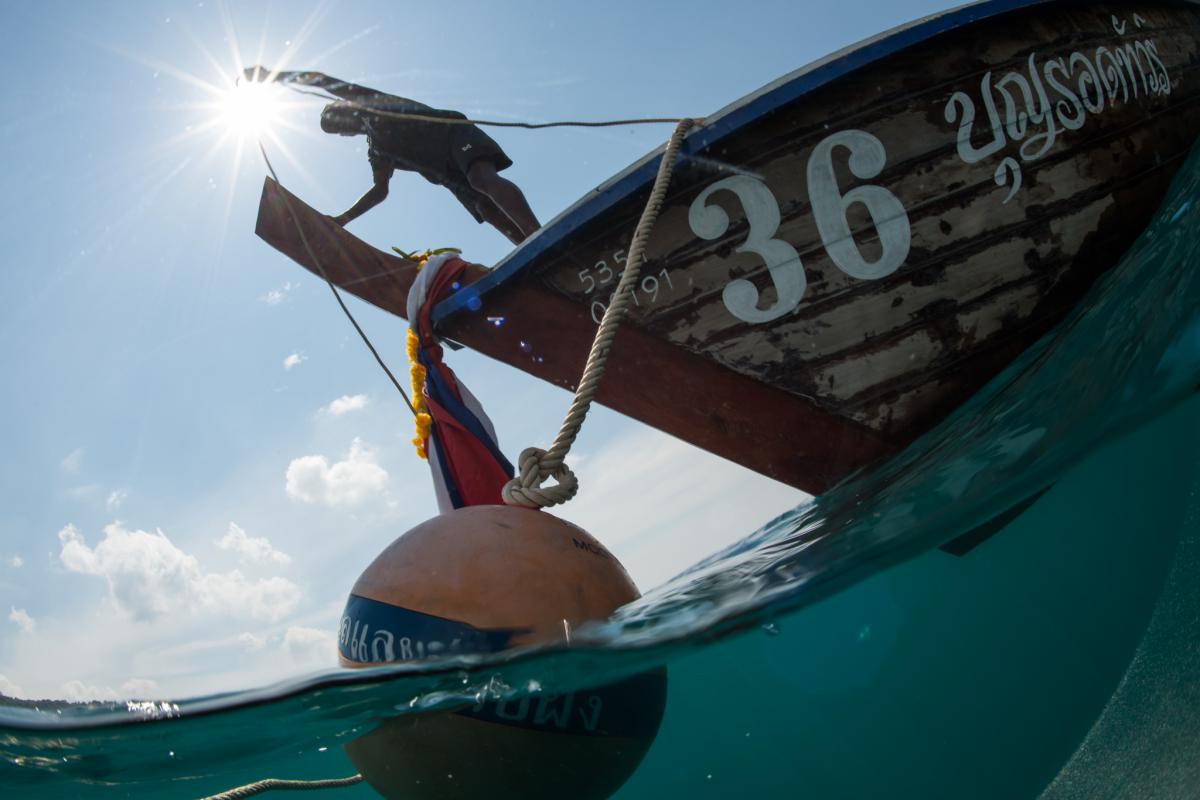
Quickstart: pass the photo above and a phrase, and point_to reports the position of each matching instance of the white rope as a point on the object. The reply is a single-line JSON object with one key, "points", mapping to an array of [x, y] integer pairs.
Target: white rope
{"points": [[535, 464], [267, 784]]}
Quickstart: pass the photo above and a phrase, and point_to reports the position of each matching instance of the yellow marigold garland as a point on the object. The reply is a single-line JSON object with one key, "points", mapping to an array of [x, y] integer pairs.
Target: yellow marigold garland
{"points": [[423, 421]]}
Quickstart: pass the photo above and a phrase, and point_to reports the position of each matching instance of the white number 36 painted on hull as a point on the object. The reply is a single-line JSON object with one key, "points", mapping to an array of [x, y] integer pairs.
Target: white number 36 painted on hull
{"points": [[867, 159]]}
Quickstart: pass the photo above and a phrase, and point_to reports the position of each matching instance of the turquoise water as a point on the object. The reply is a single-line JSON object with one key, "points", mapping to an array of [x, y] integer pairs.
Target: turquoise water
{"points": [[837, 653]]}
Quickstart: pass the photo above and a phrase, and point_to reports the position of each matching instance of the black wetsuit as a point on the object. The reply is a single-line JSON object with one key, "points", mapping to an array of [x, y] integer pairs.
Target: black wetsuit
{"points": [[442, 153]]}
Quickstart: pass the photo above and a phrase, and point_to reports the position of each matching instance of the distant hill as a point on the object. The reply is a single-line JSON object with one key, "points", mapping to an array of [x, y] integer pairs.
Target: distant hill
{"points": [[48, 705]]}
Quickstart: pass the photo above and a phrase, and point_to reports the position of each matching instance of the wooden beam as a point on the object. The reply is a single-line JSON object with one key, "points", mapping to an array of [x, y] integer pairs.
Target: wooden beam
{"points": [[547, 335]]}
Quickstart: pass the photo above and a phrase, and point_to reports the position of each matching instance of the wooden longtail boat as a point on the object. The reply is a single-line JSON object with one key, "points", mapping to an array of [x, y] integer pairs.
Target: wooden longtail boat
{"points": [[849, 253]]}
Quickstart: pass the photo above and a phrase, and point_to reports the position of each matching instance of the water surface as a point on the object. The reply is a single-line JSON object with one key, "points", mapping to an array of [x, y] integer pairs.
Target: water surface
{"points": [[837, 652]]}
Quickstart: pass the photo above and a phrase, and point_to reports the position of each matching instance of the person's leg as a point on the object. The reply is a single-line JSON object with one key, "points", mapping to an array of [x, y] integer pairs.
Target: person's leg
{"points": [[481, 207], [508, 199], [495, 217]]}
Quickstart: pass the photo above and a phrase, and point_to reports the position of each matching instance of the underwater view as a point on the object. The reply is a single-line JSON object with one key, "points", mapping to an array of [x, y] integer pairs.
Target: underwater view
{"points": [[999, 603]]}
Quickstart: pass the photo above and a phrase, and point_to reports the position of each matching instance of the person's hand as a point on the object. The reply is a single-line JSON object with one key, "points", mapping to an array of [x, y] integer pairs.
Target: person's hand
{"points": [[257, 73]]}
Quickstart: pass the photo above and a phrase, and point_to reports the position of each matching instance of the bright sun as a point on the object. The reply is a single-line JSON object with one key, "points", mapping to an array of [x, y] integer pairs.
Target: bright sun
{"points": [[251, 109]]}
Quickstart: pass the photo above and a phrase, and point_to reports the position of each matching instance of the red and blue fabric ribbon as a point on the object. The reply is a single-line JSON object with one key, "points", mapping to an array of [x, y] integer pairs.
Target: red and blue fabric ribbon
{"points": [[468, 467]]}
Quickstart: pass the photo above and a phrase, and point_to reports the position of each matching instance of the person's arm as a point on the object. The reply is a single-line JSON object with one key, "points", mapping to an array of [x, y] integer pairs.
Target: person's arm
{"points": [[374, 196], [335, 86]]}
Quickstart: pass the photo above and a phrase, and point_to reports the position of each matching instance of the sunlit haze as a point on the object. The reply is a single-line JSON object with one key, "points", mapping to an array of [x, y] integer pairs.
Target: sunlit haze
{"points": [[251, 109]]}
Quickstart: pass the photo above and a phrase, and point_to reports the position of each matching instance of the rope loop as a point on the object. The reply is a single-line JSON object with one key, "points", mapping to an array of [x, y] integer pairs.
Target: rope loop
{"points": [[534, 466]]}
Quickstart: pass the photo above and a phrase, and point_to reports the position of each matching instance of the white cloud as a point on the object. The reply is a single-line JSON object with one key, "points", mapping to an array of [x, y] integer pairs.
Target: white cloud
{"points": [[251, 642], [293, 360], [73, 462], [86, 493], [251, 548], [22, 619], [148, 576], [276, 296], [267, 599], [311, 479], [10, 689], [347, 403], [311, 646], [16, 562], [79, 692], [183, 658], [139, 688], [115, 500]]}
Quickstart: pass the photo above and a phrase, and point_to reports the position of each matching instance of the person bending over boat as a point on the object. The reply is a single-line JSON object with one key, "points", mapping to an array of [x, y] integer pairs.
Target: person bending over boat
{"points": [[458, 156]]}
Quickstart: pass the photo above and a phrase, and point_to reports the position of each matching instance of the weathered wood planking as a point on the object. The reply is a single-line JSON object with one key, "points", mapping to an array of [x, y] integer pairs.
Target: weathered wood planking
{"points": [[647, 378], [982, 277]]}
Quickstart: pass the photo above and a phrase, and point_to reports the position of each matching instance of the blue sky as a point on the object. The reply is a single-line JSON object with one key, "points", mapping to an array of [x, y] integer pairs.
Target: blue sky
{"points": [[201, 456]]}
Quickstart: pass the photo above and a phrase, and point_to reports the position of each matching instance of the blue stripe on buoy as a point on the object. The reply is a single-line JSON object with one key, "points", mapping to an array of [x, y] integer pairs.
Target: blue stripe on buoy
{"points": [[372, 632]]}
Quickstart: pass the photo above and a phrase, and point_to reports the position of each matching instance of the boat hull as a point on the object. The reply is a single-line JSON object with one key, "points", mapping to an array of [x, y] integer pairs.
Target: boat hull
{"points": [[847, 255]]}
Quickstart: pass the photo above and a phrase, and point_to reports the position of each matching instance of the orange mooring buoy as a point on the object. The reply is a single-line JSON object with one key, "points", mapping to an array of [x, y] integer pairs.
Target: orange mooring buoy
{"points": [[480, 579]]}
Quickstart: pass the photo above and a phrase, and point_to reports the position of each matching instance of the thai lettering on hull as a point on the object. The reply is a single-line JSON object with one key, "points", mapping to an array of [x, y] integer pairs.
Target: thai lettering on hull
{"points": [[1032, 107]]}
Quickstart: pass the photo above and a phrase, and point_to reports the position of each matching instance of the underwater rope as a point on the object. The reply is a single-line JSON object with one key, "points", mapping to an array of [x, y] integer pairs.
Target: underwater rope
{"points": [[267, 784], [535, 464]]}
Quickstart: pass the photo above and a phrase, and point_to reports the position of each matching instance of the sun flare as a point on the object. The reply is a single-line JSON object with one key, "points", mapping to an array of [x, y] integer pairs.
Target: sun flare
{"points": [[251, 110]]}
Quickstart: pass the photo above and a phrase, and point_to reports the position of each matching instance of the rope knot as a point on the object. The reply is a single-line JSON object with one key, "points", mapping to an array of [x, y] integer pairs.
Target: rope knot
{"points": [[534, 466]]}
